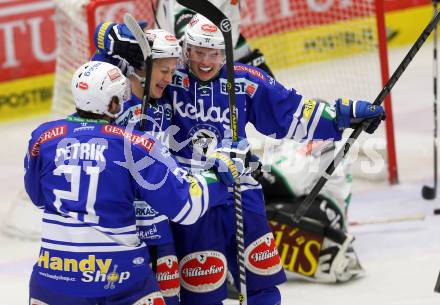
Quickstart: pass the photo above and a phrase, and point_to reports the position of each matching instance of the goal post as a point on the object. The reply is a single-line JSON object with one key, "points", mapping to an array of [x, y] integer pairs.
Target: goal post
{"points": [[323, 48]]}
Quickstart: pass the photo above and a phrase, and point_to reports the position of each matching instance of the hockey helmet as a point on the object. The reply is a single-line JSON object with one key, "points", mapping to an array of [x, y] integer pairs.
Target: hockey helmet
{"points": [[94, 85], [201, 32], [163, 44]]}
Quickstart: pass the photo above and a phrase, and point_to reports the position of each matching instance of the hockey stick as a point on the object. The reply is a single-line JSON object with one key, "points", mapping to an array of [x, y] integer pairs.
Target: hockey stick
{"points": [[428, 192], [211, 12], [138, 33], [305, 205]]}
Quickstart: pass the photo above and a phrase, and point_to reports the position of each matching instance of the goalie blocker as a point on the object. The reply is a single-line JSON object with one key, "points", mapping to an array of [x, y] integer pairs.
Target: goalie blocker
{"points": [[315, 249]]}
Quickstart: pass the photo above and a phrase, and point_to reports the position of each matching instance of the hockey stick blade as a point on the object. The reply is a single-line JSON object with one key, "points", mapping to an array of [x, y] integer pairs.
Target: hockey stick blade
{"points": [[308, 201], [139, 34], [428, 192]]}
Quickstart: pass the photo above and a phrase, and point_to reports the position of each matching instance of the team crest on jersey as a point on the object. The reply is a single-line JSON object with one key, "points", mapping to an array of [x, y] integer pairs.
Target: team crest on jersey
{"points": [[204, 138], [154, 298], [261, 256], [242, 86], [37, 302], [203, 271], [167, 275]]}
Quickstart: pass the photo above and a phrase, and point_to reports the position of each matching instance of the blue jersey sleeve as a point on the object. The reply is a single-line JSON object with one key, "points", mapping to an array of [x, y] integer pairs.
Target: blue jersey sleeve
{"points": [[33, 164], [31, 178], [284, 113], [172, 191]]}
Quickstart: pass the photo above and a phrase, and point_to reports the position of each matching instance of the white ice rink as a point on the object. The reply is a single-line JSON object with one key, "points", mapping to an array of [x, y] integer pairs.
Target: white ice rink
{"points": [[401, 259]]}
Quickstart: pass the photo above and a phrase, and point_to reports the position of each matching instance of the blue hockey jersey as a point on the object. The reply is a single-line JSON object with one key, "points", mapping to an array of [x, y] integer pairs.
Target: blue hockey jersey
{"points": [[85, 175], [201, 111], [201, 115]]}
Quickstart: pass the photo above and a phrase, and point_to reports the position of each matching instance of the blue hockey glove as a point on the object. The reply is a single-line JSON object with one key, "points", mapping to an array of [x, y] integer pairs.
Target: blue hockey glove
{"points": [[117, 41], [230, 160], [352, 113]]}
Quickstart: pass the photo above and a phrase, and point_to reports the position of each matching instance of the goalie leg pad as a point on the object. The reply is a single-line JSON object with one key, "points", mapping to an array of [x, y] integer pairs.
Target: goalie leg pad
{"points": [[312, 249]]}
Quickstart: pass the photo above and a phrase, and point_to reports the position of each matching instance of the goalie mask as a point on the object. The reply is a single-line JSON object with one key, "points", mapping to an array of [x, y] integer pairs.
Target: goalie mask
{"points": [[204, 47], [95, 84]]}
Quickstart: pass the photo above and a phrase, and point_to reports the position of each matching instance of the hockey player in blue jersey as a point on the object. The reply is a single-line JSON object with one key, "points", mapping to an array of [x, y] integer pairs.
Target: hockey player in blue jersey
{"points": [[200, 110], [85, 172], [153, 227]]}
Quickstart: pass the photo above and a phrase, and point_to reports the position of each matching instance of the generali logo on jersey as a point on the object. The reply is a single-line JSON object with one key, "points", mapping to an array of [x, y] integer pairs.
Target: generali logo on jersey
{"points": [[203, 271], [168, 275], [50, 134], [261, 256]]}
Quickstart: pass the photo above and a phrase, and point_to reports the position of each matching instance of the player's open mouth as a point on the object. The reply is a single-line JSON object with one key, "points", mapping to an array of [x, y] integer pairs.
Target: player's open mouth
{"points": [[205, 69]]}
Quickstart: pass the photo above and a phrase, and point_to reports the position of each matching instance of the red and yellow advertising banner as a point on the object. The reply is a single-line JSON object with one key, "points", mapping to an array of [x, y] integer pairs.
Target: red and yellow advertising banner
{"points": [[27, 57]]}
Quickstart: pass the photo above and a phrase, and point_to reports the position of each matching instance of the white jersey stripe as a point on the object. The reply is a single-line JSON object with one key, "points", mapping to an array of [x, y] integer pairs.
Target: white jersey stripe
{"points": [[61, 233], [295, 119], [76, 248], [67, 220], [315, 121]]}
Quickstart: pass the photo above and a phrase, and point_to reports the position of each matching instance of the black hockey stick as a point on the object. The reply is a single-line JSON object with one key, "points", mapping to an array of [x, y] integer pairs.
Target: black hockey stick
{"points": [[428, 192], [308, 201], [138, 33], [211, 12]]}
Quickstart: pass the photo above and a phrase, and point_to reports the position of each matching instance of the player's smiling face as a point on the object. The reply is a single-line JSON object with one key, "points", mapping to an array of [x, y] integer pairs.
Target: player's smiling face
{"points": [[161, 76], [205, 63]]}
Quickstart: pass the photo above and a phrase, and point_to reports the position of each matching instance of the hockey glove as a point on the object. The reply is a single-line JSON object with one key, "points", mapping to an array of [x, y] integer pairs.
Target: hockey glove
{"points": [[229, 160], [351, 113], [117, 41]]}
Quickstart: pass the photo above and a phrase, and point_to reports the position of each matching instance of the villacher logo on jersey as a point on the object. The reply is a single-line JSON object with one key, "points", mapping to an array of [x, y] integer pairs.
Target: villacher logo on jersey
{"points": [[261, 256], [168, 275], [203, 271]]}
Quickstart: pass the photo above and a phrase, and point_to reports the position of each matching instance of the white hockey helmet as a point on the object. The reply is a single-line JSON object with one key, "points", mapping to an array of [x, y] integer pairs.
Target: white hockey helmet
{"points": [[163, 44], [200, 31], [94, 85]]}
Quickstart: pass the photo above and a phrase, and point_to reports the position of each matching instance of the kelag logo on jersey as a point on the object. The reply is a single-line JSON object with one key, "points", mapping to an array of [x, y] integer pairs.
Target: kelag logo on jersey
{"points": [[213, 114], [242, 86], [203, 271]]}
